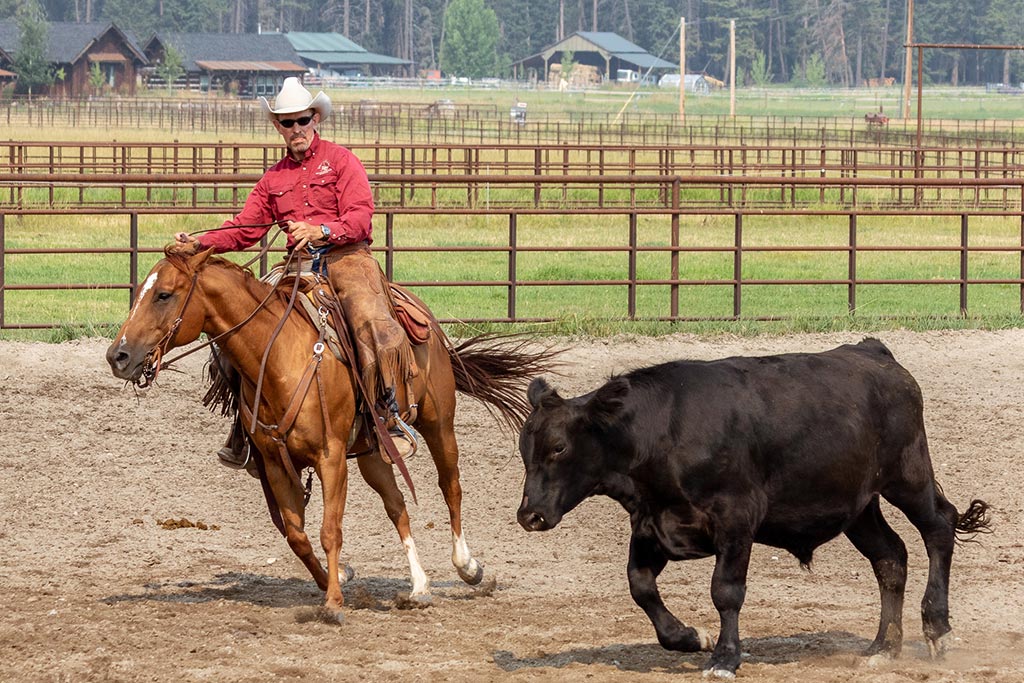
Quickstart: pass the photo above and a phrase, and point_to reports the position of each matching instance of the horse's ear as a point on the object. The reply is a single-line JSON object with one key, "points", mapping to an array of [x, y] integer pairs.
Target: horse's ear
{"points": [[199, 258], [540, 392]]}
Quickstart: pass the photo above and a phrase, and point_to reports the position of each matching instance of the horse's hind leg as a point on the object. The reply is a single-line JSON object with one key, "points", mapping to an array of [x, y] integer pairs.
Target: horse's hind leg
{"points": [[381, 478], [876, 540], [444, 450]]}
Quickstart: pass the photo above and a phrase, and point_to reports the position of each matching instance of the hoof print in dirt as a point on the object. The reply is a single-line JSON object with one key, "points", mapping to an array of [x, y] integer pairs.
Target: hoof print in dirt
{"points": [[408, 601], [485, 589], [322, 614]]}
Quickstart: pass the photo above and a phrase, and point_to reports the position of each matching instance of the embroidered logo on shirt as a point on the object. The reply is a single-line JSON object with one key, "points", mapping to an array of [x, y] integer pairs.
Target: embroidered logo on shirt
{"points": [[324, 168]]}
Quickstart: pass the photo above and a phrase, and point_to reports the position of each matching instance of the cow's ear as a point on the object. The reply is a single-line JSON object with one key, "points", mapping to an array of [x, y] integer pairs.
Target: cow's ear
{"points": [[607, 401], [540, 392]]}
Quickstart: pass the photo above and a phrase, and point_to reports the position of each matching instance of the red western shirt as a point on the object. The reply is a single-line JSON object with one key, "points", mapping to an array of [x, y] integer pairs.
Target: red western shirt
{"points": [[328, 187]]}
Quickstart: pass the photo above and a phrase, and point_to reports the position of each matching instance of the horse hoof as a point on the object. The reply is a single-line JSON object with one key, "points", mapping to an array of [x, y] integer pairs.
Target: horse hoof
{"points": [[474, 577], [410, 601], [347, 574]]}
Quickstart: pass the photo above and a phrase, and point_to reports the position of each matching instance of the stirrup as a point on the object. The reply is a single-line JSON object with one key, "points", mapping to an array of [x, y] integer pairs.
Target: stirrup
{"points": [[229, 459], [404, 437]]}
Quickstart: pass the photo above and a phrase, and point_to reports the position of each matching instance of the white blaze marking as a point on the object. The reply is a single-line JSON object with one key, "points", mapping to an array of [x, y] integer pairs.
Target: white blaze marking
{"points": [[420, 582], [146, 286]]}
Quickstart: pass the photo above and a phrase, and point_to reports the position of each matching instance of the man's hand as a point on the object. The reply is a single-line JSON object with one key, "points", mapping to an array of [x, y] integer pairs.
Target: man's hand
{"points": [[301, 230], [184, 245]]}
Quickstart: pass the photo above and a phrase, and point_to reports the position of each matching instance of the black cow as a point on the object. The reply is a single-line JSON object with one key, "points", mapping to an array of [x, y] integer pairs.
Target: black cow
{"points": [[711, 457]]}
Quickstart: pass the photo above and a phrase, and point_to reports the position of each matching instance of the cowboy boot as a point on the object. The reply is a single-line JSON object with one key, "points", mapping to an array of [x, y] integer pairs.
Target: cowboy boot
{"points": [[236, 452]]}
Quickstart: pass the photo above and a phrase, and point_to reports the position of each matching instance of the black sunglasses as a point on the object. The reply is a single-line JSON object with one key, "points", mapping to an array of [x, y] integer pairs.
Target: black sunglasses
{"points": [[302, 121]]}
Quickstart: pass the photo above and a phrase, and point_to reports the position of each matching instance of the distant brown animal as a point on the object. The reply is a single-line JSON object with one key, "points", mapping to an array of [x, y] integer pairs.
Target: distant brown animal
{"points": [[879, 82]]}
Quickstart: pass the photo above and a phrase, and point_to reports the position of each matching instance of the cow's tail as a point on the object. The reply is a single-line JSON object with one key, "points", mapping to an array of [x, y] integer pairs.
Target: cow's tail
{"points": [[974, 520]]}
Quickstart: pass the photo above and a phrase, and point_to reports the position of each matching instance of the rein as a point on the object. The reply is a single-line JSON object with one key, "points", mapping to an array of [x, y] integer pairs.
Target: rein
{"points": [[278, 432], [234, 328]]}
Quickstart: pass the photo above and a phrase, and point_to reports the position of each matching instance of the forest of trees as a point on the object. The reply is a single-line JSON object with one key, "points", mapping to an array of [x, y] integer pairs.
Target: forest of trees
{"points": [[839, 42]]}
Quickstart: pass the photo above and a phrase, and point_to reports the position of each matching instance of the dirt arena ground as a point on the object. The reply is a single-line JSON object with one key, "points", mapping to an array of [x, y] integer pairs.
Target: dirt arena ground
{"points": [[93, 588]]}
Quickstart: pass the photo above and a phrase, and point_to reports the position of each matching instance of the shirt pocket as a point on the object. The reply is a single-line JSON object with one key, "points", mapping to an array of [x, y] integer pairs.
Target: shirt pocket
{"points": [[323, 192], [282, 202]]}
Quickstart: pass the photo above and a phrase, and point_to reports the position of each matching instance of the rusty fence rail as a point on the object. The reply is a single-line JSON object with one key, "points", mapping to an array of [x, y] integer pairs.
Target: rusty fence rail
{"points": [[654, 250], [373, 120], [74, 176], [760, 158], [74, 193]]}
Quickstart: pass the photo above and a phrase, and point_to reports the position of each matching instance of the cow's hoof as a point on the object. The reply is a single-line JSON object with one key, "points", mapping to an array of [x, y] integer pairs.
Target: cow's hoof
{"points": [[473, 574], [937, 648], [878, 660], [716, 672], [410, 601]]}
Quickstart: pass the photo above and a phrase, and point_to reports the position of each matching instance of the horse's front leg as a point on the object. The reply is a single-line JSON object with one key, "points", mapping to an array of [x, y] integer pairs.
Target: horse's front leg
{"points": [[333, 472], [290, 501]]}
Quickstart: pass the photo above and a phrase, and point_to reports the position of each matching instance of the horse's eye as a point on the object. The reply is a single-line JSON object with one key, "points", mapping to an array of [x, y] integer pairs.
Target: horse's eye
{"points": [[163, 296], [558, 449]]}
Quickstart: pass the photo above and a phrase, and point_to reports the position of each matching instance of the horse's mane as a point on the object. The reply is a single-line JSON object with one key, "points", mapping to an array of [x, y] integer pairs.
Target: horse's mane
{"points": [[181, 262]]}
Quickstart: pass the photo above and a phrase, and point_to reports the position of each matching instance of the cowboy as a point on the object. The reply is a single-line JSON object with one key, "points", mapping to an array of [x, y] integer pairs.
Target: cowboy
{"points": [[320, 194]]}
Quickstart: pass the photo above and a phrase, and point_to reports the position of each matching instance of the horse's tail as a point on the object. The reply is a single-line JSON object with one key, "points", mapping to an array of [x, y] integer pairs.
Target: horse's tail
{"points": [[495, 369], [974, 520]]}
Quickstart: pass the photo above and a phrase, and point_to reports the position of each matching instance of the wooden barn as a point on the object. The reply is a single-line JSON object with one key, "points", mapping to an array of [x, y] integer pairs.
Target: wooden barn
{"points": [[73, 50], [243, 64]]}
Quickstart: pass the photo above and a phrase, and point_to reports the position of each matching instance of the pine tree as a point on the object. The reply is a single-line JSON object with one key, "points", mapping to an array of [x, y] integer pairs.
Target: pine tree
{"points": [[470, 40], [30, 59]]}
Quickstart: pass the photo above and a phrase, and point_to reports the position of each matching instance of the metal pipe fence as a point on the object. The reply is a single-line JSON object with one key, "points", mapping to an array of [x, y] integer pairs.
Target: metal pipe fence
{"points": [[368, 120], [665, 260]]}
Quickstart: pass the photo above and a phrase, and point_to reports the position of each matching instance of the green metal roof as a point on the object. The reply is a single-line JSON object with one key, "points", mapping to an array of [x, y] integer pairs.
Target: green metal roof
{"points": [[349, 58], [322, 42]]}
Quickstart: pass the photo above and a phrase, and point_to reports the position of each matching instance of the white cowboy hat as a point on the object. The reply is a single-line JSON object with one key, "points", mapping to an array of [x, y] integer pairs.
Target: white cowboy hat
{"points": [[295, 98]]}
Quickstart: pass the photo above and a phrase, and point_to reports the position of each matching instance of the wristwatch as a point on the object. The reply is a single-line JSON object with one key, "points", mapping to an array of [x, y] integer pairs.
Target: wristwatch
{"points": [[326, 231]]}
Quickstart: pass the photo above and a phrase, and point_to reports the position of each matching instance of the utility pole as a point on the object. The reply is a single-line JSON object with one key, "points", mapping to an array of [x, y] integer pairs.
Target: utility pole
{"points": [[909, 59], [732, 68], [682, 69]]}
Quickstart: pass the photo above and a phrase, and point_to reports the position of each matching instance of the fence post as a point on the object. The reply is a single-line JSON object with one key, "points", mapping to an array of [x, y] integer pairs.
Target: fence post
{"points": [[1021, 251], [133, 256], [674, 254], [851, 268], [513, 239], [3, 260], [389, 246], [737, 266], [963, 265], [631, 291]]}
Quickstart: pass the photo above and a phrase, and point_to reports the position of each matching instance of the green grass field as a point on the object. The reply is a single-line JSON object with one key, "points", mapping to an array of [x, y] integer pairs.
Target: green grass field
{"points": [[591, 308]]}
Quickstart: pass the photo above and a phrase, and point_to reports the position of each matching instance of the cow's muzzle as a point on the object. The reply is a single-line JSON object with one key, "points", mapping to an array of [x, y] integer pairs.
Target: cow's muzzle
{"points": [[532, 520]]}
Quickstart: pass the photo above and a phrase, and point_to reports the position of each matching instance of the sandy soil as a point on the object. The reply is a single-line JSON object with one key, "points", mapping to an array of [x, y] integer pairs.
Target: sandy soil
{"points": [[94, 588]]}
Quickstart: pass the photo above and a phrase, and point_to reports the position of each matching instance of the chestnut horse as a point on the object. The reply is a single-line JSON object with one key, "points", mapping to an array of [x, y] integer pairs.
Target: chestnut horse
{"points": [[184, 296]]}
